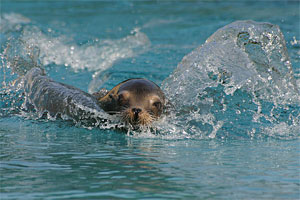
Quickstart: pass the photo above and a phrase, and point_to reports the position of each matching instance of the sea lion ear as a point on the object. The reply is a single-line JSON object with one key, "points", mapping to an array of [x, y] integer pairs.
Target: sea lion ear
{"points": [[100, 94]]}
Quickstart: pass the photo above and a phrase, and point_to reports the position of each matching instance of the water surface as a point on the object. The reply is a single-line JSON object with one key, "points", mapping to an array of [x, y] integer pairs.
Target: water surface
{"points": [[91, 44]]}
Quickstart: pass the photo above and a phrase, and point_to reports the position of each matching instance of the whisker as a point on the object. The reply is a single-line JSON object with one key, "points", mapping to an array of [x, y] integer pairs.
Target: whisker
{"points": [[113, 112]]}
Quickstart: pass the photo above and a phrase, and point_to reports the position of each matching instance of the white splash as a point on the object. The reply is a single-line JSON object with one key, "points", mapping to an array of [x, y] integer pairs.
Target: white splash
{"points": [[243, 58], [95, 57], [12, 22]]}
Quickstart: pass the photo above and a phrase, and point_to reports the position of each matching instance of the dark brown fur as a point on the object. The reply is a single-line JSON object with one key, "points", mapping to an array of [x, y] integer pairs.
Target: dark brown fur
{"points": [[138, 101]]}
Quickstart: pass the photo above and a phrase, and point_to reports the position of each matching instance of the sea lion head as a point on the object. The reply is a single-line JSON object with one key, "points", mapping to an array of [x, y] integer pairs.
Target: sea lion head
{"points": [[138, 101]]}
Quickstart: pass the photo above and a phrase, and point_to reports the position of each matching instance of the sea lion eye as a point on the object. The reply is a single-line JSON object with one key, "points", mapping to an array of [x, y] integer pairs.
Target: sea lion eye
{"points": [[157, 104], [120, 97], [123, 99], [111, 96]]}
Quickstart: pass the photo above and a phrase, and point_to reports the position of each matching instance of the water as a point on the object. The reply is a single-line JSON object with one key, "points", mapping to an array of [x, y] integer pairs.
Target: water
{"points": [[233, 135]]}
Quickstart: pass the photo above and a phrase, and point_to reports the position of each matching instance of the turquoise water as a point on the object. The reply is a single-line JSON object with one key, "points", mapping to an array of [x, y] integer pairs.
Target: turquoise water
{"points": [[227, 139]]}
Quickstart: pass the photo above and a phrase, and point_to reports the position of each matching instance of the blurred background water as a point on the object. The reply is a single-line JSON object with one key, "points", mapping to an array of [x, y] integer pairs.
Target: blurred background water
{"points": [[241, 145]]}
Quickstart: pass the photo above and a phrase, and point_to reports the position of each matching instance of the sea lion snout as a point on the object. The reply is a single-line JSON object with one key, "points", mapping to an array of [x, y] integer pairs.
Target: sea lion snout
{"points": [[136, 112]]}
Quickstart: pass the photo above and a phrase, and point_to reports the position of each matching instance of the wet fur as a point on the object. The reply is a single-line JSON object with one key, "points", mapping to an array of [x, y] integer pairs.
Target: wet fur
{"points": [[110, 104], [145, 119]]}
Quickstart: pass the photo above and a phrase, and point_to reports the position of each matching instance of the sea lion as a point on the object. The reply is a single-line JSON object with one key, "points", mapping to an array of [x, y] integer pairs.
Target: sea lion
{"points": [[138, 101]]}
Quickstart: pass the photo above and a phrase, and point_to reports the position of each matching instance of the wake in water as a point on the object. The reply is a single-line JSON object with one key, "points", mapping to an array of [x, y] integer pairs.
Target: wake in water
{"points": [[95, 56], [239, 83]]}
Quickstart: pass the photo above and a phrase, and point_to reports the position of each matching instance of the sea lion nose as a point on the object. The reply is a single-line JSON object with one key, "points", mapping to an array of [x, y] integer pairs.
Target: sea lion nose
{"points": [[136, 112]]}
